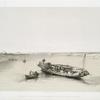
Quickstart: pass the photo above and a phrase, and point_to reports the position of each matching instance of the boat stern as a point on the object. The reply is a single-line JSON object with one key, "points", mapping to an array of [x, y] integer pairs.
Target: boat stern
{"points": [[83, 73]]}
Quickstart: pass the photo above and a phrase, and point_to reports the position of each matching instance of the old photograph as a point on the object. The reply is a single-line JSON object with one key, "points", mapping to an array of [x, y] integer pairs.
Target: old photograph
{"points": [[50, 71], [50, 49]]}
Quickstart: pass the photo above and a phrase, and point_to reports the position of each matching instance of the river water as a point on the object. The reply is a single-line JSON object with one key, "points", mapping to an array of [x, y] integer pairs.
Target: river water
{"points": [[13, 70]]}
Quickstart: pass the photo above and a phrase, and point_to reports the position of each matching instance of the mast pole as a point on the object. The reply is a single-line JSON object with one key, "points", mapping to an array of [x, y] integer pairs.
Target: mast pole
{"points": [[84, 60]]}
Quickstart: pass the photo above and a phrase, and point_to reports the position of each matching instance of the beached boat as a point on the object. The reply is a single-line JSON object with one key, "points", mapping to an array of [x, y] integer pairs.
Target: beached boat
{"points": [[32, 75], [62, 70]]}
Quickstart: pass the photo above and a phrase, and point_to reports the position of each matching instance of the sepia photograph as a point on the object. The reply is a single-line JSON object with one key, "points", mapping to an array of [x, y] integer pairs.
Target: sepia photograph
{"points": [[50, 49], [50, 71]]}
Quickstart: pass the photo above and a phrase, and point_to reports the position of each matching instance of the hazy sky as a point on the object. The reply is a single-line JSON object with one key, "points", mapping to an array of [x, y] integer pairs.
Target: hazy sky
{"points": [[49, 29]]}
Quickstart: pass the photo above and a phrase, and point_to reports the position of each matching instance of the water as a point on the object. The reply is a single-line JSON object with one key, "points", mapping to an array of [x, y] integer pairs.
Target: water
{"points": [[12, 73]]}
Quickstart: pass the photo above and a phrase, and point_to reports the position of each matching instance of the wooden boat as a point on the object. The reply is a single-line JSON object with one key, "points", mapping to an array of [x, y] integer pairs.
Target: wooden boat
{"points": [[62, 70], [32, 75]]}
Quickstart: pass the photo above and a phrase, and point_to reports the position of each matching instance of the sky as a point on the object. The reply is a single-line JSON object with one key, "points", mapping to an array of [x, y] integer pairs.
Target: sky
{"points": [[66, 29]]}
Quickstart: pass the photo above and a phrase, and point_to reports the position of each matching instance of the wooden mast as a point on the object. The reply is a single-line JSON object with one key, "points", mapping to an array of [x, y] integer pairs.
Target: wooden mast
{"points": [[84, 60]]}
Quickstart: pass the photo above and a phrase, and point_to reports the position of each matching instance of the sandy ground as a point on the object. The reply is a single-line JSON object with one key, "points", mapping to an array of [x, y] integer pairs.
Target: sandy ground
{"points": [[12, 73]]}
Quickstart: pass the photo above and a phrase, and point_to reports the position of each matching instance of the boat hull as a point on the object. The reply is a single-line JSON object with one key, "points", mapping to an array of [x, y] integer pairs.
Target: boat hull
{"points": [[32, 75], [63, 70]]}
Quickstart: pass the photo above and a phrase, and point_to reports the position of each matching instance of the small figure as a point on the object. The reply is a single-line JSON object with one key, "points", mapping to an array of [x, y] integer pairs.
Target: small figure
{"points": [[31, 73], [24, 61], [43, 61]]}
